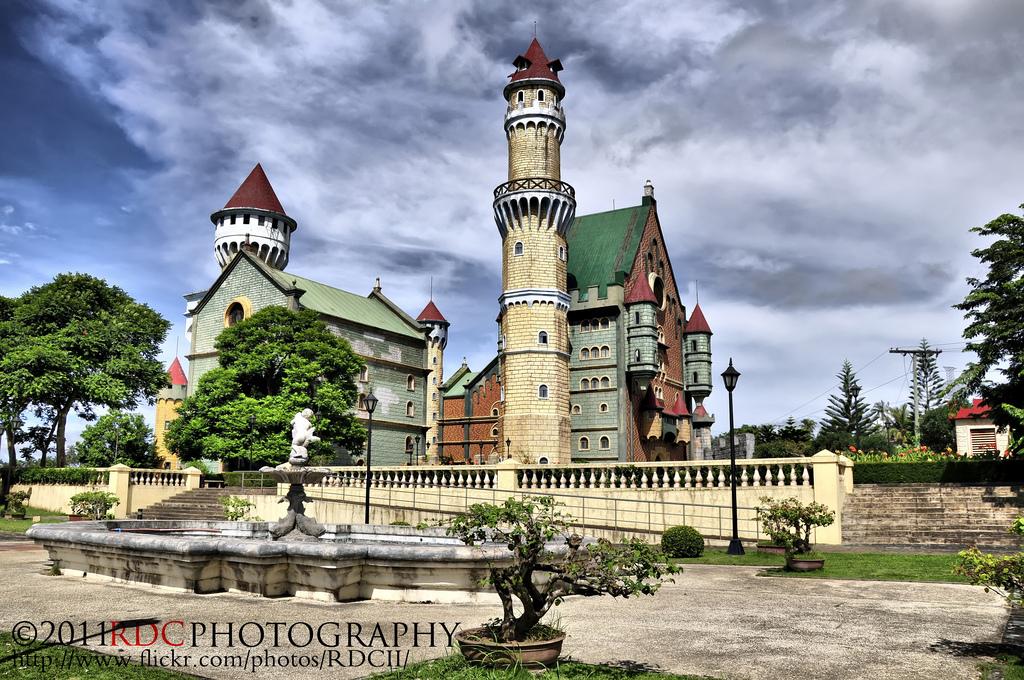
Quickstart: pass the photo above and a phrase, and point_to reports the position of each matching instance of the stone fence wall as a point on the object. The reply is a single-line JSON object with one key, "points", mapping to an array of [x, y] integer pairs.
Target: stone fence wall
{"points": [[135, 487]]}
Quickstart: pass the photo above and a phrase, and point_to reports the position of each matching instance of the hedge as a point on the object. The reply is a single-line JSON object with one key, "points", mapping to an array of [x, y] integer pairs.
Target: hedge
{"points": [[951, 472], [252, 479], [70, 476]]}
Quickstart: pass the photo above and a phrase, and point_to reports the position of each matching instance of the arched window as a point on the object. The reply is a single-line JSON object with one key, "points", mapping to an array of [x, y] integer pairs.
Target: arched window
{"points": [[364, 375], [540, 95], [435, 396], [517, 249], [584, 444], [494, 412], [542, 338], [584, 353], [434, 381], [410, 409], [542, 392], [561, 253], [519, 97], [605, 352], [408, 446], [695, 379], [585, 384], [410, 382], [576, 409], [585, 326], [605, 382], [636, 356], [360, 404], [605, 323], [494, 431], [604, 408], [235, 313], [605, 443]]}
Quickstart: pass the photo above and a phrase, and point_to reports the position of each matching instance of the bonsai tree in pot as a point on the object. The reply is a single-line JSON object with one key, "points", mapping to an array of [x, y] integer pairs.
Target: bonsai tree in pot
{"points": [[547, 564], [789, 523], [16, 503], [93, 504]]}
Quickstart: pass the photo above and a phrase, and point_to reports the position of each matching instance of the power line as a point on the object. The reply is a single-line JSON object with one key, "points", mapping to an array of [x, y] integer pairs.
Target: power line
{"points": [[832, 387]]}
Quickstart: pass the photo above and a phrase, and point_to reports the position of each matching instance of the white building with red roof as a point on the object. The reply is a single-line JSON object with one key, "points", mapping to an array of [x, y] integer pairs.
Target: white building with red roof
{"points": [[976, 433]]}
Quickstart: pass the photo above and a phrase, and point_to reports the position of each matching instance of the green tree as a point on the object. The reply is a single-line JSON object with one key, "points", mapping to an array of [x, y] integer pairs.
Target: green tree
{"points": [[13, 401], [846, 416], [118, 437], [995, 328], [81, 343], [929, 383], [272, 365], [937, 430]]}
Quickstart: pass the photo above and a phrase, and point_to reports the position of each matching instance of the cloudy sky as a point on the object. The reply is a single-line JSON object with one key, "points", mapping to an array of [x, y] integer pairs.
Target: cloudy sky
{"points": [[817, 164]]}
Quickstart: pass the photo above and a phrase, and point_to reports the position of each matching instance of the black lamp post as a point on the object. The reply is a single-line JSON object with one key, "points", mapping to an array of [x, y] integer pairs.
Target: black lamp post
{"points": [[855, 392], [508, 449], [370, 402], [416, 451], [731, 376], [252, 435]]}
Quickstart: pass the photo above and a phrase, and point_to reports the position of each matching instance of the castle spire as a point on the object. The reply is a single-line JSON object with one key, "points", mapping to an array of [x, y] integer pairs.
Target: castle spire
{"points": [[254, 220]]}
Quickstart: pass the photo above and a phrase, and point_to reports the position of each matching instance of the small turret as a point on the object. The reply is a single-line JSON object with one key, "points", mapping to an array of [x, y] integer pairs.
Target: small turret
{"points": [[642, 330], [168, 401], [697, 355], [436, 325], [253, 219]]}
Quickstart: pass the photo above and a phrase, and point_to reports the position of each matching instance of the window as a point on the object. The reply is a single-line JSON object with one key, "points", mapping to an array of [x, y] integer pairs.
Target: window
{"points": [[245, 218], [364, 375], [584, 444], [260, 220], [561, 253], [576, 410], [434, 397], [695, 379], [410, 383], [584, 353], [433, 416], [277, 224], [605, 443], [603, 408], [605, 323], [434, 380], [659, 393], [585, 326], [636, 356], [540, 95], [636, 318], [585, 384], [543, 460], [542, 338], [410, 409], [360, 404], [494, 432], [167, 424], [232, 219], [519, 97], [235, 313], [605, 382], [408, 446], [542, 392], [517, 249], [605, 352], [693, 345]]}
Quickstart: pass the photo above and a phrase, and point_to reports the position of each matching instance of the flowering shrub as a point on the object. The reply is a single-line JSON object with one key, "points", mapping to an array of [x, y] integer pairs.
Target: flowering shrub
{"points": [[788, 522], [923, 454]]}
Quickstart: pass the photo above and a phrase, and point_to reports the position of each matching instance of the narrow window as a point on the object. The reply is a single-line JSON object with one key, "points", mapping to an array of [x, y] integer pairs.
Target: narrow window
{"points": [[494, 412], [605, 323], [542, 338], [605, 382], [605, 442], [435, 396], [245, 218], [410, 409], [585, 384], [584, 353], [408, 446], [494, 432], [167, 424], [636, 318], [232, 219], [518, 248], [585, 326], [542, 392], [695, 381], [561, 253], [605, 352], [410, 383], [435, 361], [364, 375], [636, 356], [360, 404], [434, 380], [519, 97], [584, 443], [260, 220], [540, 95], [693, 345]]}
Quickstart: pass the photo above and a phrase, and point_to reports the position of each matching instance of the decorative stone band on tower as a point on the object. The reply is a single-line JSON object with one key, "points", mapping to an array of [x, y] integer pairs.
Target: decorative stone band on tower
{"points": [[534, 210]]}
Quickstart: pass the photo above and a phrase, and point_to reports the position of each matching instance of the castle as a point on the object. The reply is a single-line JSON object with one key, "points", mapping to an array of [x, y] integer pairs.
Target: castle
{"points": [[596, 357]]}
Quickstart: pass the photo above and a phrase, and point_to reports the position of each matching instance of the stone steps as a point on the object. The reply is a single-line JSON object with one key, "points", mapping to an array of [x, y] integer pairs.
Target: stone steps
{"points": [[194, 504]]}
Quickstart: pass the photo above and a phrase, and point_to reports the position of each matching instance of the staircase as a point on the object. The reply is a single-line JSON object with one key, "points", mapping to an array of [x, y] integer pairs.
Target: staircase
{"points": [[932, 516], [194, 504]]}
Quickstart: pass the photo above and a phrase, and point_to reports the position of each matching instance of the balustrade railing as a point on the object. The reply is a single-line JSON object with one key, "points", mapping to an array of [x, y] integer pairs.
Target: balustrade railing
{"points": [[445, 477], [148, 477], [534, 184], [675, 475]]}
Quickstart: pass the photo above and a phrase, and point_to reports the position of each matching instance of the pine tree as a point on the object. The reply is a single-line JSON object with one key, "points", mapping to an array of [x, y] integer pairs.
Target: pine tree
{"points": [[846, 413], [929, 383]]}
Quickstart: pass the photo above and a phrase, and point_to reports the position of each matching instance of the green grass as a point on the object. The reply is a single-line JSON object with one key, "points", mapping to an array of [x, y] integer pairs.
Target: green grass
{"points": [[454, 667], [20, 526], [853, 566], [38, 662], [1006, 667]]}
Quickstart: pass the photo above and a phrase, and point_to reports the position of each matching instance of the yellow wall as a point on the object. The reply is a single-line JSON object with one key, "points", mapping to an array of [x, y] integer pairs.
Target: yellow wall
{"points": [[166, 411]]}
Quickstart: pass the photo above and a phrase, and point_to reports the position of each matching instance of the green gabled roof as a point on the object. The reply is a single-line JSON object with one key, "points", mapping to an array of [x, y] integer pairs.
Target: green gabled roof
{"points": [[344, 305], [602, 247], [456, 387]]}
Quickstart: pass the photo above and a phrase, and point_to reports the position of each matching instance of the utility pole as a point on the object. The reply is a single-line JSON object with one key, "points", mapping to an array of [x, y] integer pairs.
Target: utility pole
{"points": [[914, 352]]}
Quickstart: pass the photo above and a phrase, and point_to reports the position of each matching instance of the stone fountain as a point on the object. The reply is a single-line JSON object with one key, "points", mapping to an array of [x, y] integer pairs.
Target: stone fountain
{"points": [[296, 475]]}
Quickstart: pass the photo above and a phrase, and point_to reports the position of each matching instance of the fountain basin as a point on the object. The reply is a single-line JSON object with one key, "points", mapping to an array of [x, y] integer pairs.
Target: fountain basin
{"points": [[349, 562]]}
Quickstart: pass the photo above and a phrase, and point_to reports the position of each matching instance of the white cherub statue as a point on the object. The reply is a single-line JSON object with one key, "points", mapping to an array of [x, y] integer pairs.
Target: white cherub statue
{"points": [[302, 437]]}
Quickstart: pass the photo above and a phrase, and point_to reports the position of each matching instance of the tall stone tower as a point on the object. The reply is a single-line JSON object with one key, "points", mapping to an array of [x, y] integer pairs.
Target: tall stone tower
{"points": [[168, 401], [432, 319], [253, 218], [534, 209]]}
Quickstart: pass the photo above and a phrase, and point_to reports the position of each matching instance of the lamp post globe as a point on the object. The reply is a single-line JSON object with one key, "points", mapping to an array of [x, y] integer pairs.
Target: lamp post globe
{"points": [[731, 376], [370, 402]]}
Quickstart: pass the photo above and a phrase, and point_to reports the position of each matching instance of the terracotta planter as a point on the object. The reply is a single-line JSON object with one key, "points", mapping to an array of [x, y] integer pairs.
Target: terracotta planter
{"points": [[772, 549], [77, 518], [797, 563], [484, 652]]}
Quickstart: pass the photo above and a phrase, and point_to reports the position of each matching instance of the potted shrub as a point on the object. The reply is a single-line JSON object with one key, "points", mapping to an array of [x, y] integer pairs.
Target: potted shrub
{"points": [[93, 504], [547, 564], [789, 523], [16, 503]]}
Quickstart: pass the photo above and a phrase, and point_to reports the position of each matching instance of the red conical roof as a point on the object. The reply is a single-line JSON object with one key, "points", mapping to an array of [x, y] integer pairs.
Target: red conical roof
{"points": [[700, 411], [256, 192], [535, 64], [176, 374], [641, 292], [431, 313], [697, 323], [678, 407]]}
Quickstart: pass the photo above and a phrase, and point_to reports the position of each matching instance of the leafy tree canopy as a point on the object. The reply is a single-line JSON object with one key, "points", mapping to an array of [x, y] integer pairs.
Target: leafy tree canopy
{"points": [[995, 328], [272, 365], [118, 437], [76, 343]]}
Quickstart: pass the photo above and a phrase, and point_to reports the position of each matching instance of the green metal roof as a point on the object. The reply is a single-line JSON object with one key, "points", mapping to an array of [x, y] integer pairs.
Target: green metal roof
{"points": [[602, 247], [344, 305], [458, 387]]}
